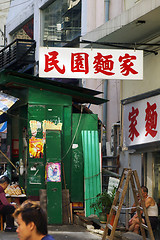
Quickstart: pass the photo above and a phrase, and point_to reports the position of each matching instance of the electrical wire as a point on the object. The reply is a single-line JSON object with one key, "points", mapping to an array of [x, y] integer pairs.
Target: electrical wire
{"points": [[74, 134], [12, 6], [5, 2], [99, 85]]}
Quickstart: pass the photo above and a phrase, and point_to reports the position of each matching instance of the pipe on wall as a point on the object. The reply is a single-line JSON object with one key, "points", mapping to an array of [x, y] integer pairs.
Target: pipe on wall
{"points": [[106, 7], [106, 4]]}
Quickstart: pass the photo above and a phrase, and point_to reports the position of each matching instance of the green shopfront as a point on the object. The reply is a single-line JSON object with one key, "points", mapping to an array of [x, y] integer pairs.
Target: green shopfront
{"points": [[46, 123]]}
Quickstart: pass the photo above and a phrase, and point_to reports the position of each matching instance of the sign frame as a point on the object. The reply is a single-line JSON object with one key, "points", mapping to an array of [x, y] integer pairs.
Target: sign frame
{"points": [[90, 63]]}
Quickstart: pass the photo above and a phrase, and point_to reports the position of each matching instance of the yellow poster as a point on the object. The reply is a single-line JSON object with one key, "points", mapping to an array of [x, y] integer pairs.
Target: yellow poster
{"points": [[36, 147]]}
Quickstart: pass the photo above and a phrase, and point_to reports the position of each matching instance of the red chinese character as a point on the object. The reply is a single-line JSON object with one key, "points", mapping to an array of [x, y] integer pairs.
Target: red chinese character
{"points": [[79, 62], [132, 127], [151, 119], [103, 64], [51, 62], [126, 66]]}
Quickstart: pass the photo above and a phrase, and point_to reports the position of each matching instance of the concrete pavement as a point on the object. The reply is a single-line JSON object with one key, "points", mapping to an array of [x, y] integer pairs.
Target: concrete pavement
{"points": [[8, 236], [68, 232]]}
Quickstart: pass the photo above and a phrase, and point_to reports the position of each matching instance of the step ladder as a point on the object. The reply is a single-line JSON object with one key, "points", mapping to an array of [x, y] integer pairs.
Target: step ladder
{"points": [[128, 176]]}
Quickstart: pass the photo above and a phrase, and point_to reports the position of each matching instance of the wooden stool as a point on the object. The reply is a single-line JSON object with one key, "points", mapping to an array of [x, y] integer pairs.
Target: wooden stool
{"points": [[1, 219]]}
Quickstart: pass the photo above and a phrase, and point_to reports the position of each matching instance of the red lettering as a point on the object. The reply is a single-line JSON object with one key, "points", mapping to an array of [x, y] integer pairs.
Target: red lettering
{"points": [[132, 127], [103, 64], [151, 119], [126, 66], [51, 62], [79, 62]]}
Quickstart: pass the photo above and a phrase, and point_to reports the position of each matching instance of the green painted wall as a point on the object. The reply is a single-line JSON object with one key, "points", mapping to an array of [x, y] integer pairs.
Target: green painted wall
{"points": [[66, 147], [23, 121], [54, 183], [79, 123], [36, 96], [44, 105], [36, 166], [92, 173], [56, 108]]}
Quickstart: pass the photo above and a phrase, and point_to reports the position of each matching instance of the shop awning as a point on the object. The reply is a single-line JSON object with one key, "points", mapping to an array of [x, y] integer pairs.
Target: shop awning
{"points": [[15, 80]]}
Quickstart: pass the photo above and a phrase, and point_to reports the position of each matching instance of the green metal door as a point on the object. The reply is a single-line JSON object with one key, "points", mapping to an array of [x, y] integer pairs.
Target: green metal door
{"points": [[53, 176], [35, 179], [36, 163]]}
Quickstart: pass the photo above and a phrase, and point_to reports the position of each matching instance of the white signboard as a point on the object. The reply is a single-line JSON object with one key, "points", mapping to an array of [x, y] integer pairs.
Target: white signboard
{"points": [[90, 63], [113, 183], [141, 121]]}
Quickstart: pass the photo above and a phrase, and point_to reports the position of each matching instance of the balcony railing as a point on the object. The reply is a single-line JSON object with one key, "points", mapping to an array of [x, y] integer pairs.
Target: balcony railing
{"points": [[17, 54]]}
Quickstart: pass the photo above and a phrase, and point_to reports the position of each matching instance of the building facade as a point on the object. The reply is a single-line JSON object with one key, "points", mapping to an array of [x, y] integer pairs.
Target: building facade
{"points": [[136, 26], [4, 8], [55, 23], [132, 24]]}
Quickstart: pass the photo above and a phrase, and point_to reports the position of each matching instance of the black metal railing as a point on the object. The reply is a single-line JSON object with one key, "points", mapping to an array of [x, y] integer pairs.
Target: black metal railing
{"points": [[17, 54]]}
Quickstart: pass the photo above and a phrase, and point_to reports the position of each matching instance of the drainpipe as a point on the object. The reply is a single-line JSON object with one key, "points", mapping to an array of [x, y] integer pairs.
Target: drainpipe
{"points": [[106, 7], [105, 86]]}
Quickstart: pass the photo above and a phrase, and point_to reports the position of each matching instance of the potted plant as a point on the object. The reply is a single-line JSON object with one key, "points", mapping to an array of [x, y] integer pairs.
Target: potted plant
{"points": [[103, 204]]}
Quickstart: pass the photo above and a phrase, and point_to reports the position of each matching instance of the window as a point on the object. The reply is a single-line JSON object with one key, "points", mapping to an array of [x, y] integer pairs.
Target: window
{"points": [[25, 32], [61, 21]]}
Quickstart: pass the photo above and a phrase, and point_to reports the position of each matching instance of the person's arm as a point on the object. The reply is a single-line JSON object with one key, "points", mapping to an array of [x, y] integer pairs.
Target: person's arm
{"points": [[148, 202], [4, 199], [133, 208]]}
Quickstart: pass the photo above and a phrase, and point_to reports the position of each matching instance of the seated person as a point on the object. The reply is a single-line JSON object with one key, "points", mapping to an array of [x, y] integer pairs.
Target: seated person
{"points": [[134, 224], [134, 221], [152, 211], [6, 209], [32, 222], [152, 208], [133, 209]]}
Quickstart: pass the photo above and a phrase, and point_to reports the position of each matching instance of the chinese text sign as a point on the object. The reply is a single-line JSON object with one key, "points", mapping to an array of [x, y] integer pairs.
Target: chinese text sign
{"points": [[90, 63], [141, 122]]}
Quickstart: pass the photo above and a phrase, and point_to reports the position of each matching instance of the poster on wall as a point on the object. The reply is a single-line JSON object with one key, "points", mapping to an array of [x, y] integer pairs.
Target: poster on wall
{"points": [[36, 146], [53, 172]]}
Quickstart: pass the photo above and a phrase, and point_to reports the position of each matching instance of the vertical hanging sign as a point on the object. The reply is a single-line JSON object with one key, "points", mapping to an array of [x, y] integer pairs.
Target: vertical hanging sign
{"points": [[141, 122]]}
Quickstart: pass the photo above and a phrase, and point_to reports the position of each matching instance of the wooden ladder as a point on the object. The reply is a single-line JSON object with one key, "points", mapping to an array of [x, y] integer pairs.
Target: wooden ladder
{"points": [[128, 176]]}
